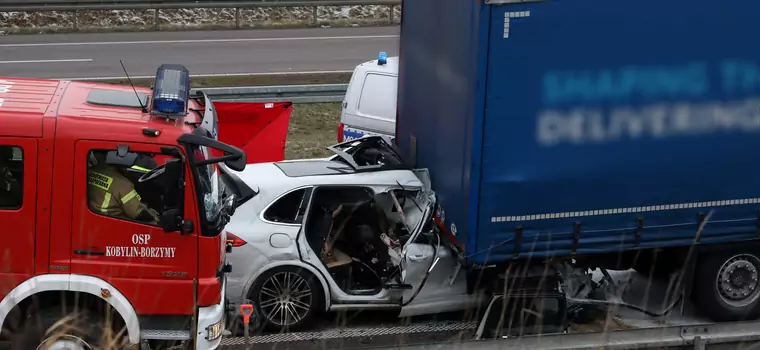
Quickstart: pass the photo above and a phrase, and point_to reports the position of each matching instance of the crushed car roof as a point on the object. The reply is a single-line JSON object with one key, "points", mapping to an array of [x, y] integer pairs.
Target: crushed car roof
{"points": [[321, 172], [314, 168]]}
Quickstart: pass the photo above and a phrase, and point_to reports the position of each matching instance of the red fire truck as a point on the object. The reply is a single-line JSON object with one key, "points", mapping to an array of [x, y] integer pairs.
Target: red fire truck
{"points": [[113, 202]]}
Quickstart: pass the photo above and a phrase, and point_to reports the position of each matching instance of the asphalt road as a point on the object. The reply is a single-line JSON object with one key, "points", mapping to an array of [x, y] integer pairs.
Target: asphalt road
{"points": [[96, 55]]}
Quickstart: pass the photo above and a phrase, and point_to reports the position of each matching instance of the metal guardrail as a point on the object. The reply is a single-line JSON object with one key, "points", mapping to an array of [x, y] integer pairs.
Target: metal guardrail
{"points": [[312, 93], [73, 5], [698, 337]]}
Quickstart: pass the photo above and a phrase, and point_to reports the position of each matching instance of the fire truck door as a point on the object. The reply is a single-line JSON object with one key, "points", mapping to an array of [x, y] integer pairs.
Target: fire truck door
{"points": [[18, 184], [136, 256]]}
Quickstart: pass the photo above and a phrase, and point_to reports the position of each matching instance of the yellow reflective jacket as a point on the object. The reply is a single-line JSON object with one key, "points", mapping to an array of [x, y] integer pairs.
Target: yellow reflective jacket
{"points": [[112, 194]]}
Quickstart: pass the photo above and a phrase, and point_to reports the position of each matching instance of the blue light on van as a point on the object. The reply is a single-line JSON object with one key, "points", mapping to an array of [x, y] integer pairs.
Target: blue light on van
{"points": [[382, 58]]}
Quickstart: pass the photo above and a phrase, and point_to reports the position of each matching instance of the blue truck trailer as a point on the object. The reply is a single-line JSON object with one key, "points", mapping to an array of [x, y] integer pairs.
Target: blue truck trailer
{"points": [[593, 133]]}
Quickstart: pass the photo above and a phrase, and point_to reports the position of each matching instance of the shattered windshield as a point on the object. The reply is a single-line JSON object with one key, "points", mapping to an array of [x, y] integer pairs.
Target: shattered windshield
{"points": [[209, 185]]}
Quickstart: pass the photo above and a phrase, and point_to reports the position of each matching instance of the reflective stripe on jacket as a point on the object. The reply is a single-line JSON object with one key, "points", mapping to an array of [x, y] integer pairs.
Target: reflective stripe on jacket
{"points": [[111, 193]]}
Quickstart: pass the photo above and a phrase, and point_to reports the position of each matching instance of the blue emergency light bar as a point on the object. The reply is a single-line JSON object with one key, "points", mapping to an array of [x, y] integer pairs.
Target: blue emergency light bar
{"points": [[171, 91], [382, 58]]}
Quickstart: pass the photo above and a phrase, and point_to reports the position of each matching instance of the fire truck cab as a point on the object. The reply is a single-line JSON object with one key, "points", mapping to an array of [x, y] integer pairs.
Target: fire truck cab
{"points": [[112, 208]]}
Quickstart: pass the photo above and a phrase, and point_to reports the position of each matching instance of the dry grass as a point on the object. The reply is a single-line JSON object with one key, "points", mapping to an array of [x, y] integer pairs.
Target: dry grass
{"points": [[312, 128]]}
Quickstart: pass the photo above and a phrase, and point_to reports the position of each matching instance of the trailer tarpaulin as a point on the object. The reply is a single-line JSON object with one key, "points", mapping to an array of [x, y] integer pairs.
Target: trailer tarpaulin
{"points": [[260, 129]]}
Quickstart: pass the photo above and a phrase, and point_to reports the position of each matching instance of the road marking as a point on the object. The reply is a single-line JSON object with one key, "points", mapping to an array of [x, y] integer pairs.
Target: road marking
{"points": [[214, 75], [49, 61], [198, 41]]}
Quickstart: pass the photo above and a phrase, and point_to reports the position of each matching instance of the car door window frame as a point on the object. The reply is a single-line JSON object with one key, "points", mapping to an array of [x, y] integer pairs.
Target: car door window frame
{"points": [[303, 206], [316, 188]]}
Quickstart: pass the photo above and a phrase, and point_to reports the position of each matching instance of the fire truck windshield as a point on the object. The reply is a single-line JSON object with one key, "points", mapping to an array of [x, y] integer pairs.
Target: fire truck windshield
{"points": [[209, 186]]}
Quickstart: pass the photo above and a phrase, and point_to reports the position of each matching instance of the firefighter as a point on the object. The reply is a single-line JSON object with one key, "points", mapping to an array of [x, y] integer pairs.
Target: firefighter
{"points": [[113, 194]]}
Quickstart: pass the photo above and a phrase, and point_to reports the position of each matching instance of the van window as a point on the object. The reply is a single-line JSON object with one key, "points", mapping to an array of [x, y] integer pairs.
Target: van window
{"points": [[378, 97]]}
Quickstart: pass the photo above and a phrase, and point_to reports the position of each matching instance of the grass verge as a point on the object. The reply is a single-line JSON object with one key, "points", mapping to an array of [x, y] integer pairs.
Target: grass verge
{"points": [[313, 126], [249, 80]]}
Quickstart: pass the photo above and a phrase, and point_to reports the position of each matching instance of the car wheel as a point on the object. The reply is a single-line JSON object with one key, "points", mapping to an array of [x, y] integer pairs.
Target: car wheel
{"points": [[51, 329], [726, 286], [286, 297]]}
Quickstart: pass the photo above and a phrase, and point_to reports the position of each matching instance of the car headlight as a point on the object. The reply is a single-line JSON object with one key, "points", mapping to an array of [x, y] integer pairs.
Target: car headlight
{"points": [[215, 330]]}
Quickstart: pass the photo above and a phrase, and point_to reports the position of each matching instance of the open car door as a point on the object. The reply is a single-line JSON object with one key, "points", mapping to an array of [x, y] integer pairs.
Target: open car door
{"points": [[430, 277], [260, 129], [430, 271]]}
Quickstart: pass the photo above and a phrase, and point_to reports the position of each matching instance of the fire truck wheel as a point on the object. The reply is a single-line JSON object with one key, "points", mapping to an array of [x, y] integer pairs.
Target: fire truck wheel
{"points": [[727, 286], [50, 329], [286, 297]]}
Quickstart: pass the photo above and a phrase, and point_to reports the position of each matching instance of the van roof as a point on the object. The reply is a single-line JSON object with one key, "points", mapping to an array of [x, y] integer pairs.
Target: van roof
{"points": [[107, 111], [391, 66]]}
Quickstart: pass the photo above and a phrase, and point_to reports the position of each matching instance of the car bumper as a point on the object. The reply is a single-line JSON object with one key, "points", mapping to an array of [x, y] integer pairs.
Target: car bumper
{"points": [[211, 323]]}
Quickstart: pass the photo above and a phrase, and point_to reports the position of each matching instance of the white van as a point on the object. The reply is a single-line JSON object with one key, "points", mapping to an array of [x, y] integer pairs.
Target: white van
{"points": [[369, 107]]}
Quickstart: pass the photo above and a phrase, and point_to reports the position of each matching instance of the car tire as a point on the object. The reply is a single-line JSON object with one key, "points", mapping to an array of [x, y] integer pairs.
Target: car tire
{"points": [[50, 326], [726, 285], [277, 308]]}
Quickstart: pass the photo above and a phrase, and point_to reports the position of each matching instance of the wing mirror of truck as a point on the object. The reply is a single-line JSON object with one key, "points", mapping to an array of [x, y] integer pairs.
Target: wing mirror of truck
{"points": [[238, 165], [233, 157]]}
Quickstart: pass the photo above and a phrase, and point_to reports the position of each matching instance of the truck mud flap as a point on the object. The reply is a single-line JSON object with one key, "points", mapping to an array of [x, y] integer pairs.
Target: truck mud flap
{"points": [[260, 129]]}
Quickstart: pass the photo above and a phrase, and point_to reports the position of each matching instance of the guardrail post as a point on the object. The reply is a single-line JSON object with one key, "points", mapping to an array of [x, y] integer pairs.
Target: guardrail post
{"points": [[155, 18], [314, 15], [390, 15], [237, 17], [74, 21], [699, 344]]}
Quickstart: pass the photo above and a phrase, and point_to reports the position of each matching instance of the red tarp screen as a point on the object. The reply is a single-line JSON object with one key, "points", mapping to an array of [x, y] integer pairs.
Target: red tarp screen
{"points": [[260, 129]]}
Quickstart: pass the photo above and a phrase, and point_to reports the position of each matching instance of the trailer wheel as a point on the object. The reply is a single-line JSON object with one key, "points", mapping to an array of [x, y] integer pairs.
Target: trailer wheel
{"points": [[51, 329], [286, 297], [727, 287]]}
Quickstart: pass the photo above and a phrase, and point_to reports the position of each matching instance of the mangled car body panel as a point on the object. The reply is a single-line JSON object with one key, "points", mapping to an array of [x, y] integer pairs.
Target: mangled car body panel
{"points": [[359, 222]]}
